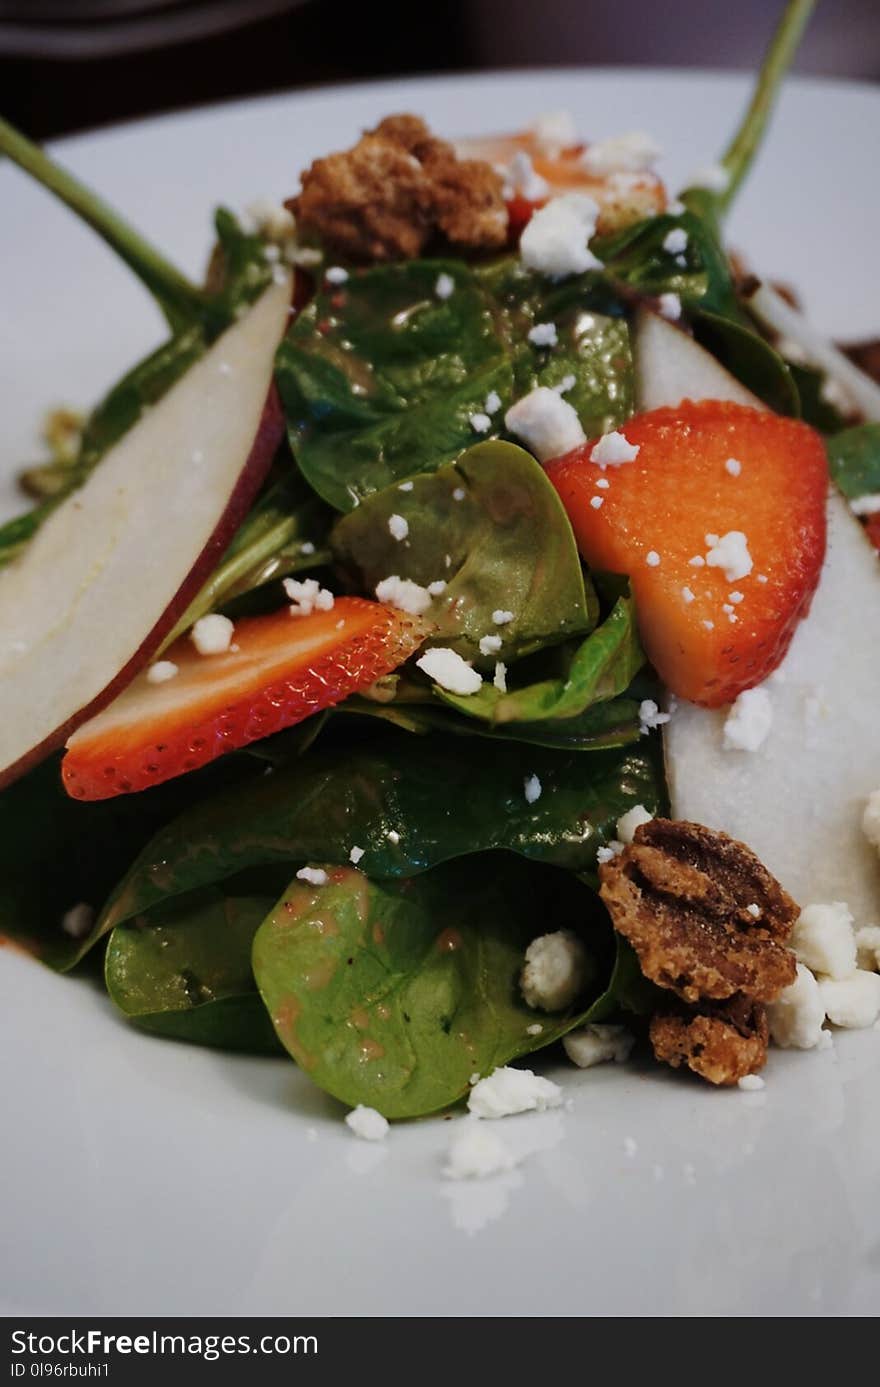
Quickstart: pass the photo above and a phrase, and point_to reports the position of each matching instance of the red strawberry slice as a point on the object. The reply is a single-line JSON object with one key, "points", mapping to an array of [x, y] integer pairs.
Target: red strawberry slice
{"points": [[707, 469], [282, 669]]}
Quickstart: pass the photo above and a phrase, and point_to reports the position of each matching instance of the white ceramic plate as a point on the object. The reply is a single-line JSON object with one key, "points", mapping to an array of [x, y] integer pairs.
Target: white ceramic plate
{"points": [[143, 1176]]}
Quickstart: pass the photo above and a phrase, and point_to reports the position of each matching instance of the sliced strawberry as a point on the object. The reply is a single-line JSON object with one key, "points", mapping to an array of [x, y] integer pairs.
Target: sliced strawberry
{"points": [[708, 468], [281, 669]]}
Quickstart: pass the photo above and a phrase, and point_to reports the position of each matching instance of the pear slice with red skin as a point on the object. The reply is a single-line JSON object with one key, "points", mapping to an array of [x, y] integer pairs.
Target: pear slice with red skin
{"points": [[112, 569]]}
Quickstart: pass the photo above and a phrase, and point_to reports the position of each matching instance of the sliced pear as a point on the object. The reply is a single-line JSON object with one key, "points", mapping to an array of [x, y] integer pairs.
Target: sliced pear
{"points": [[111, 570], [798, 800]]}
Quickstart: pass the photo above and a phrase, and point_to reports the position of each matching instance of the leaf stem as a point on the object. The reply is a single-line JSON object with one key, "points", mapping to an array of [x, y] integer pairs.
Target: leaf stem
{"points": [[181, 300]]}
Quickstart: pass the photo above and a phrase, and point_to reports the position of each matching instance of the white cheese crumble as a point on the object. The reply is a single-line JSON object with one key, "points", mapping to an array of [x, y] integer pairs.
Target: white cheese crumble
{"points": [[398, 527], [697, 561], [492, 403], [78, 920], [500, 617], [447, 668], [852, 1002], [670, 306], [355, 855], [597, 502], [212, 635], [499, 680], [532, 789], [507, 1090], [567, 383], [335, 274], [479, 422], [750, 1083], [613, 449], [546, 423], [445, 286], [490, 645], [824, 940], [307, 596], [555, 240], [797, 1015], [459, 493], [393, 837], [438, 587], [543, 335], [554, 131], [687, 595], [730, 553], [475, 1151], [630, 821], [652, 558], [650, 716], [403, 594], [868, 948], [607, 854], [714, 177], [733, 466], [162, 671], [598, 1044], [866, 505], [520, 177], [270, 219], [633, 152], [754, 910], [554, 972], [315, 876], [367, 1124], [602, 482], [748, 723], [871, 819], [675, 241]]}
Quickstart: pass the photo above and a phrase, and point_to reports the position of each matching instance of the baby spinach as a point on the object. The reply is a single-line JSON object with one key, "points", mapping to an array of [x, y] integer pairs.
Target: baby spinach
{"points": [[409, 804], [394, 995], [491, 527], [637, 259], [854, 460], [750, 357], [599, 727], [185, 971]]}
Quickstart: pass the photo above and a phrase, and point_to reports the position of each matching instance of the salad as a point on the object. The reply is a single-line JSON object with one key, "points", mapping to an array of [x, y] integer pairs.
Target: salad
{"points": [[451, 640]]}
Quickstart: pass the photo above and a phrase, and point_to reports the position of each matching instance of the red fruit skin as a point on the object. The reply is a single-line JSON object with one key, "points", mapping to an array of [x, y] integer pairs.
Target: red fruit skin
{"points": [[873, 528], [144, 751], [673, 494]]}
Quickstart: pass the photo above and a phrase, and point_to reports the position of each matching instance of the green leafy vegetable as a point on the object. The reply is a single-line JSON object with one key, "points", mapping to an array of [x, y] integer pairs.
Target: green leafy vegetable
{"points": [[493, 528], [394, 995], [854, 460], [750, 358], [637, 259], [604, 725]]}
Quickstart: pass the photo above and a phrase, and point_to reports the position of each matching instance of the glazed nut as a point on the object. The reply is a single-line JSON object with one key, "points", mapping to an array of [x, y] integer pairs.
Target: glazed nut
{"points": [[685, 897], [720, 1041]]}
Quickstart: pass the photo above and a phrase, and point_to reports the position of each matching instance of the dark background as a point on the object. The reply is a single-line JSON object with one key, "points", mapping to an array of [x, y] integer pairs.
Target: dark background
{"points": [[72, 64]]}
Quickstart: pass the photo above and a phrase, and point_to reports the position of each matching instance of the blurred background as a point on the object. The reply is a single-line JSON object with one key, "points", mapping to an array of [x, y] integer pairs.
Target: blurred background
{"points": [[67, 65]]}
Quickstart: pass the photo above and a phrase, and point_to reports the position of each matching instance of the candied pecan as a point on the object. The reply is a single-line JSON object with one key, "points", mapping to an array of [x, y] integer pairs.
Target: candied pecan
{"points": [[412, 134], [468, 203], [865, 355], [721, 1041], [680, 893]]}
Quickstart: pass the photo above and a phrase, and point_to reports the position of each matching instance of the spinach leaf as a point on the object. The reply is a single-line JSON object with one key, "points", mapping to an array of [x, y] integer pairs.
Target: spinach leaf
{"points": [[636, 259], [854, 460], [493, 528], [185, 971], [815, 410], [602, 667], [394, 995], [435, 802], [749, 357], [604, 725], [239, 268]]}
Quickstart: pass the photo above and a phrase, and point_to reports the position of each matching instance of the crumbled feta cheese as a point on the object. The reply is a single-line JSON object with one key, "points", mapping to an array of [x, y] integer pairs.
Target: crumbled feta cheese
{"points": [[735, 597], [687, 595], [449, 670], [852, 1002], [501, 617], [730, 553], [403, 594], [315, 876], [748, 723], [608, 853], [750, 1083], [476, 1151], [598, 1044], [613, 448], [554, 131], [796, 1016], [871, 819], [355, 855], [393, 837], [162, 671], [709, 625], [438, 587], [602, 482], [212, 635], [868, 948], [493, 402], [270, 219], [535, 1029], [546, 423], [866, 505], [555, 240], [697, 561], [597, 502], [543, 335], [398, 527], [714, 177], [824, 940], [633, 152], [554, 972], [78, 920], [499, 680], [508, 1090], [480, 423], [336, 275], [733, 466], [490, 645], [366, 1123], [532, 789], [754, 910], [675, 241], [445, 286], [650, 716], [652, 558], [459, 494], [670, 306], [520, 177], [631, 820], [567, 383], [307, 596], [675, 208], [405, 486]]}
